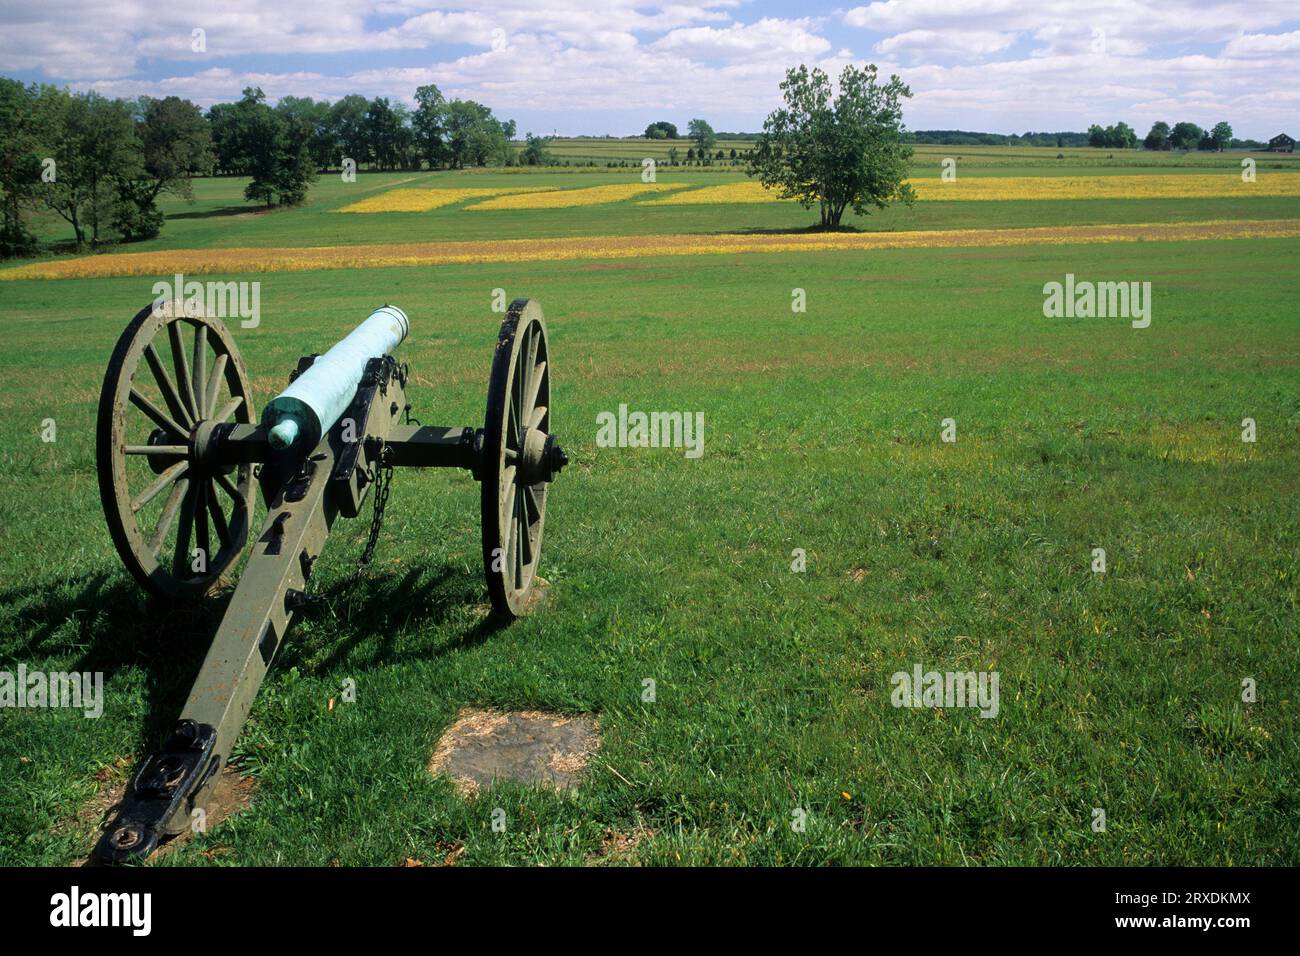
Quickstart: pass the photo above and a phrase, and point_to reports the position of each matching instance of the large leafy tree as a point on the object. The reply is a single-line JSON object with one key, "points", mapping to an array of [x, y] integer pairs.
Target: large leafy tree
{"points": [[347, 121], [534, 152], [384, 133], [700, 131], [1222, 135], [21, 134], [475, 137], [1185, 136], [1119, 136], [235, 128], [175, 143], [661, 130], [1158, 138], [314, 116], [404, 152], [94, 145], [836, 152], [278, 153], [429, 125], [1122, 136]]}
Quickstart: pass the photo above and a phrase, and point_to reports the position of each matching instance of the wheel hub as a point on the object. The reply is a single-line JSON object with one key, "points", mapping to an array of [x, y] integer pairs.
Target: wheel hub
{"points": [[542, 458]]}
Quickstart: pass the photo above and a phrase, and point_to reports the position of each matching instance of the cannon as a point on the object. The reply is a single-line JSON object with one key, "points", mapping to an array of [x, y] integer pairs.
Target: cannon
{"points": [[179, 449]]}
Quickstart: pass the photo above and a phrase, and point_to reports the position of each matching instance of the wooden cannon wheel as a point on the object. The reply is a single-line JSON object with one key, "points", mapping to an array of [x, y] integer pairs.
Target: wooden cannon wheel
{"points": [[163, 505], [519, 459]]}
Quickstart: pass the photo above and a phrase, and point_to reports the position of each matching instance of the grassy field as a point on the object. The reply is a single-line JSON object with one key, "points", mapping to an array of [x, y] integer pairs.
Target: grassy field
{"points": [[1119, 691]]}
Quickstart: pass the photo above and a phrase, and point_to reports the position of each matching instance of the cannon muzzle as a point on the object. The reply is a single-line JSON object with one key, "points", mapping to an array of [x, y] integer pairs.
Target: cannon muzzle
{"points": [[313, 402]]}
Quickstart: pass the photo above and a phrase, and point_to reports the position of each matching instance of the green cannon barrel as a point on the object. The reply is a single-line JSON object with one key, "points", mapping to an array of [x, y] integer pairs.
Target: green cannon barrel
{"points": [[313, 402]]}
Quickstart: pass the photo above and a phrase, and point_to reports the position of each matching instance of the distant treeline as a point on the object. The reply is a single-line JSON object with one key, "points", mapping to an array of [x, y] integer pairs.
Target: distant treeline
{"points": [[959, 137], [102, 164], [1119, 136]]}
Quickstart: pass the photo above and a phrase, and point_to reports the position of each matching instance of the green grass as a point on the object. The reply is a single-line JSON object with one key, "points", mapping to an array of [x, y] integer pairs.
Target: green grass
{"points": [[602, 151], [220, 218], [1119, 691]]}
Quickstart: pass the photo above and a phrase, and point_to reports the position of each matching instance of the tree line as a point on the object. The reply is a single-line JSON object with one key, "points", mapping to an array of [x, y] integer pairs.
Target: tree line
{"points": [[1164, 137], [101, 164]]}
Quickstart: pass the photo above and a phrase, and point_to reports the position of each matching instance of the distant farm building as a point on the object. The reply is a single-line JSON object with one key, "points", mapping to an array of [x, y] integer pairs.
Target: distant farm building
{"points": [[1281, 143]]}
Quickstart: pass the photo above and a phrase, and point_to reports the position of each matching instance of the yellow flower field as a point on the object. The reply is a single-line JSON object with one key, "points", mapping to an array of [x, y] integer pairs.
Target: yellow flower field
{"points": [[992, 188], [422, 200], [1164, 186], [293, 259], [568, 198], [746, 192]]}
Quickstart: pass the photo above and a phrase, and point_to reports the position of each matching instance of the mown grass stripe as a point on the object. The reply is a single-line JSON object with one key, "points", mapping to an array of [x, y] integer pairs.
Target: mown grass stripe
{"points": [[297, 259]]}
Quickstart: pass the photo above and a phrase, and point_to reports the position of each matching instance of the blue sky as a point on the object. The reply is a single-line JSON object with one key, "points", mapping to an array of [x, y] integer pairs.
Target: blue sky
{"points": [[613, 66]]}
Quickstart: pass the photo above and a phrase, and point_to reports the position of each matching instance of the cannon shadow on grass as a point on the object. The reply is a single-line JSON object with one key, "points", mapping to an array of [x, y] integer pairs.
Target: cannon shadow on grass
{"points": [[382, 619], [110, 626]]}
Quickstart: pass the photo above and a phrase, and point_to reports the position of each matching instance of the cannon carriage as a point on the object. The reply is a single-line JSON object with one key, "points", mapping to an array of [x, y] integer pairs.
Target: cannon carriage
{"points": [[181, 454]]}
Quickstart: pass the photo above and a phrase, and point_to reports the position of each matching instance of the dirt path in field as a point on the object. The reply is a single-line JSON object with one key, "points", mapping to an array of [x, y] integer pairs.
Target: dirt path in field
{"points": [[281, 259]]}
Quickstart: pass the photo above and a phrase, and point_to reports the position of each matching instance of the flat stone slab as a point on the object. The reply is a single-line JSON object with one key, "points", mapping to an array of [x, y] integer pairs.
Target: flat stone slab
{"points": [[530, 746]]}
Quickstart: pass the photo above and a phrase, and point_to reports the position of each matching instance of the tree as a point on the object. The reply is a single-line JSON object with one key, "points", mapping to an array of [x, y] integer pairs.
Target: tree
{"points": [[429, 126], [1185, 136], [383, 133], [1222, 136], [1122, 136], [839, 153], [474, 136], [314, 116], [277, 147], [534, 153], [135, 216], [702, 133], [347, 122], [661, 130], [1118, 136], [222, 120], [20, 164], [93, 143], [175, 143], [1158, 138], [234, 130], [404, 152]]}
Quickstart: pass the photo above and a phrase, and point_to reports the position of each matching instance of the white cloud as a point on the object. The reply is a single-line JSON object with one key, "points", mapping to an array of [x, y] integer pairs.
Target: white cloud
{"points": [[766, 38], [990, 64], [1263, 44], [958, 43]]}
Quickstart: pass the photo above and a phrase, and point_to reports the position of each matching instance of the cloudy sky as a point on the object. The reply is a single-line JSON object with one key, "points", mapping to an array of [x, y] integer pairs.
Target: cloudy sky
{"points": [[598, 66]]}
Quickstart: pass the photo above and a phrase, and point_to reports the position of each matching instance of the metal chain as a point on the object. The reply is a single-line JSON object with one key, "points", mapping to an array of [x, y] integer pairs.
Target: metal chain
{"points": [[382, 476]]}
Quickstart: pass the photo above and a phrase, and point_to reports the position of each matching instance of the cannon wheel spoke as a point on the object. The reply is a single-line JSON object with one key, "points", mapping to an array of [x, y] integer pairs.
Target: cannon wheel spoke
{"points": [[513, 512], [158, 503], [168, 514], [198, 388], [181, 366]]}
